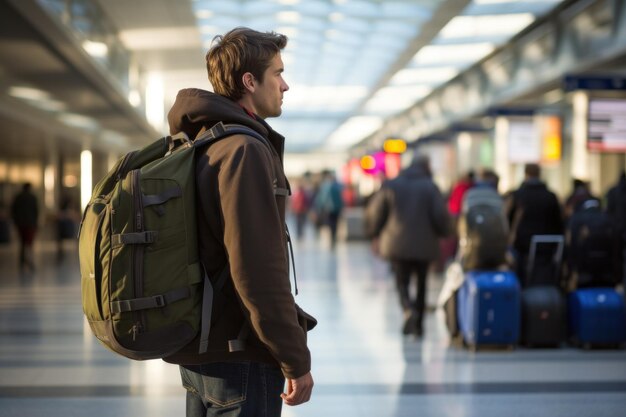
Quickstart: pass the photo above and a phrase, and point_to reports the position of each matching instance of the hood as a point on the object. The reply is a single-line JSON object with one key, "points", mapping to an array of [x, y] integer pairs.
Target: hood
{"points": [[196, 110]]}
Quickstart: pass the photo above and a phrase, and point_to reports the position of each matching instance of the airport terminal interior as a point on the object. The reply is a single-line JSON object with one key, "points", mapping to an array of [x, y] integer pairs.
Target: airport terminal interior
{"points": [[474, 85]]}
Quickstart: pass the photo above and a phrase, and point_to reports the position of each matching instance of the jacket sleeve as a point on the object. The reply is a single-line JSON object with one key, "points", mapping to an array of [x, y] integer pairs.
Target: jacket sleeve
{"points": [[254, 237]]}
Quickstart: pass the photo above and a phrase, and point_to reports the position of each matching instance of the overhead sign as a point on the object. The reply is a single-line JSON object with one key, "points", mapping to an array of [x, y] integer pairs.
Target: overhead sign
{"points": [[607, 125], [524, 142]]}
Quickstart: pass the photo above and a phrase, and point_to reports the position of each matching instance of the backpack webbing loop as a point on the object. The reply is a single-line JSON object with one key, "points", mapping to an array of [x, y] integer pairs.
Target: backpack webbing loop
{"points": [[155, 301]]}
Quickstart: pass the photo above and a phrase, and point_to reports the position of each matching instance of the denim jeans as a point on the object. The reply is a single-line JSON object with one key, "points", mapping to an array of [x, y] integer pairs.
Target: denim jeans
{"points": [[233, 389]]}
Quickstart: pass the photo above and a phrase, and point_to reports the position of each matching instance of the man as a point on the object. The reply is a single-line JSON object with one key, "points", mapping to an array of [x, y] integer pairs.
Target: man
{"points": [[242, 191], [532, 209], [408, 215], [25, 213]]}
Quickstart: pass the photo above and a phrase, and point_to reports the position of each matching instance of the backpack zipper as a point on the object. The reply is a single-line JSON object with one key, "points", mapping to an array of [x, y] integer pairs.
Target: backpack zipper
{"points": [[137, 250]]}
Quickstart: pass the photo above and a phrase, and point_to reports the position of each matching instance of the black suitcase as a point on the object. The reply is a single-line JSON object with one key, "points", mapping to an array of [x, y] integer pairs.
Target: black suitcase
{"points": [[544, 317], [544, 261]]}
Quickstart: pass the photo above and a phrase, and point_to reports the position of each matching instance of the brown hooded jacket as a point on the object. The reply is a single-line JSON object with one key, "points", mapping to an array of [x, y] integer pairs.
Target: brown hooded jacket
{"points": [[242, 221]]}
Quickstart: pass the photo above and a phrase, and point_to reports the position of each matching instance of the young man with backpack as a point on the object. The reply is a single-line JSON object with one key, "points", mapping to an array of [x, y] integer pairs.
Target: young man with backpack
{"points": [[241, 191]]}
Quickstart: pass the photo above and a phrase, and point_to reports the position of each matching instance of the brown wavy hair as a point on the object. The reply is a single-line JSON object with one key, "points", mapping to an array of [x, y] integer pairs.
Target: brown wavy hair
{"points": [[239, 51]]}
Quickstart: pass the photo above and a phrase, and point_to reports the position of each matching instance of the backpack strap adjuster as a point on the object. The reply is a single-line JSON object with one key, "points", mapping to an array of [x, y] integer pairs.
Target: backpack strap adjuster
{"points": [[138, 238]]}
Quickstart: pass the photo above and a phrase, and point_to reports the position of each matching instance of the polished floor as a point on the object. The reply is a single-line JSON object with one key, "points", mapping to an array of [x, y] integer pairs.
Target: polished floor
{"points": [[50, 364]]}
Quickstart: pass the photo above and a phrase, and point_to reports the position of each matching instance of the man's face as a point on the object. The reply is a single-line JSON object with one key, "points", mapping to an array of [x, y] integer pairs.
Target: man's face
{"points": [[268, 95]]}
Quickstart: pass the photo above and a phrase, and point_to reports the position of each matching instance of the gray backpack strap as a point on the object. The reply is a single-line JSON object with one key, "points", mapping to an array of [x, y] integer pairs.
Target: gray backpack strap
{"points": [[220, 131], [217, 132], [239, 344], [207, 310], [207, 306]]}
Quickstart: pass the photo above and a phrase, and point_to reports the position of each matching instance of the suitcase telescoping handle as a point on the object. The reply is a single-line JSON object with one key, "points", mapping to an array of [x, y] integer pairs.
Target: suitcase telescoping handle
{"points": [[536, 240]]}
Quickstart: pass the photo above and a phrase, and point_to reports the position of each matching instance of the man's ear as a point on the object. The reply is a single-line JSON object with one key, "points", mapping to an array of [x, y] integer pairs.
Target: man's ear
{"points": [[249, 82]]}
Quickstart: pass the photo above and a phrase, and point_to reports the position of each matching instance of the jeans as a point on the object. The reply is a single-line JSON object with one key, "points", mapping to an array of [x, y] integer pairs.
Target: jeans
{"points": [[233, 389]]}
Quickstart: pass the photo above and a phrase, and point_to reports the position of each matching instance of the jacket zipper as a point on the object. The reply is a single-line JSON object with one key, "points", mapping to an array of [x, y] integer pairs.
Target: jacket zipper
{"points": [[137, 251]]}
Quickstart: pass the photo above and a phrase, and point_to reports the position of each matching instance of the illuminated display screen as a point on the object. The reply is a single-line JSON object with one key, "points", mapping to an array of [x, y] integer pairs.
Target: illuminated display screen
{"points": [[607, 125]]}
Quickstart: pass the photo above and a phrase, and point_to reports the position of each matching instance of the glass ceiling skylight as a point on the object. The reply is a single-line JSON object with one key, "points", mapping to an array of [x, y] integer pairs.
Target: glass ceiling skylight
{"points": [[339, 51]]}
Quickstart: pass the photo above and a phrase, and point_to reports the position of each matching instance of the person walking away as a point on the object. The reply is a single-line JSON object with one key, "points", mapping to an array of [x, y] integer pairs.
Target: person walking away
{"points": [[242, 192], [406, 217], [25, 214], [580, 193], [66, 221], [531, 210], [300, 205], [329, 204]]}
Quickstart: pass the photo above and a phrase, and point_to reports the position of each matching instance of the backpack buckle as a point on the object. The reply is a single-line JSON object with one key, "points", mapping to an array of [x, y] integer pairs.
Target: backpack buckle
{"points": [[159, 300]]}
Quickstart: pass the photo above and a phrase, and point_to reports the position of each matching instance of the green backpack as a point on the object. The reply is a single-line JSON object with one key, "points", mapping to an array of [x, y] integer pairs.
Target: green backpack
{"points": [[144, 290]]}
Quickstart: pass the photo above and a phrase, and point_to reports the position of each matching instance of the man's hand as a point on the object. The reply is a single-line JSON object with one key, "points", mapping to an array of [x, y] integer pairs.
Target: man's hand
{"points": [[298, 390]]}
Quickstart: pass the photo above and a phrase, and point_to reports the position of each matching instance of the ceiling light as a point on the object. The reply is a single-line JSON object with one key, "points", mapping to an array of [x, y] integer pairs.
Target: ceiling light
{"points": [[423, 75], [390, 100], [134, 98], [204, 14], [28, 93], [449, 54], [154, 100], [288, 17], [288, 2], [288, 31], [79, 121], [336, 17], [303, 97], [49, 105], [96, 49], [353, 131], [208, 29], [486, 25]]}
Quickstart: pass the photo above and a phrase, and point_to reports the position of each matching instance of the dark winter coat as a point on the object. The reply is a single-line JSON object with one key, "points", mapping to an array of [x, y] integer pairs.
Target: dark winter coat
{"points": [[408, 214], [532, 210]]}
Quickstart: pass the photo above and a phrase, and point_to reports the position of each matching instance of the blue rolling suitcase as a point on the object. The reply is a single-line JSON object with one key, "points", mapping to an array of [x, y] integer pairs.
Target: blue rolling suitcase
{"points": [[489, 308], [597, 317]]}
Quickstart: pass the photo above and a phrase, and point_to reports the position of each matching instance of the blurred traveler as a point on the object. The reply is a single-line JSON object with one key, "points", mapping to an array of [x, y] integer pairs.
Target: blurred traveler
{"points": [[458, 191], [25, 214], [329, 203], [242, 193], [66, 221], [300, 205], [580, 193], [483, 227], [616, 208], [406, 217], [450, 245], [532, 209]]}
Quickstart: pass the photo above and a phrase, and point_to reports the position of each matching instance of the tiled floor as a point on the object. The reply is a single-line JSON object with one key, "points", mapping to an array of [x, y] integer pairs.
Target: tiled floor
{"points": [[51, 365]]}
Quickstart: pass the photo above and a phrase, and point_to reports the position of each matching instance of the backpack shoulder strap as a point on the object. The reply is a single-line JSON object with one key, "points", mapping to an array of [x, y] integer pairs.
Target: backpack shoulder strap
{"points": [[221, 131], [215, 133]]}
